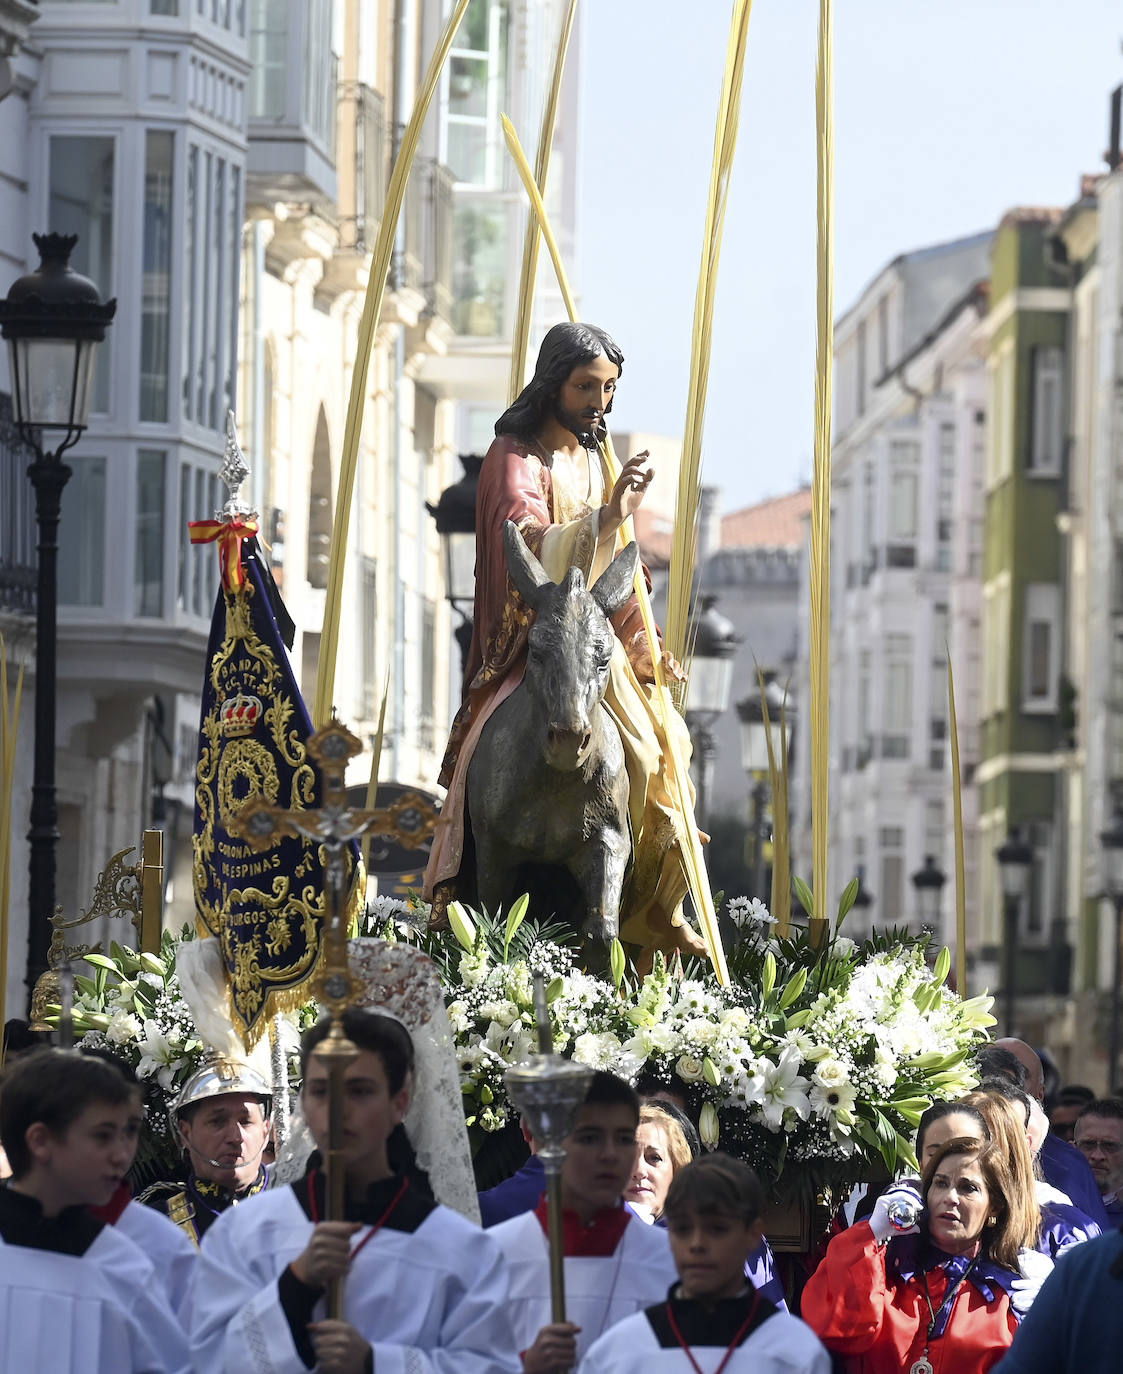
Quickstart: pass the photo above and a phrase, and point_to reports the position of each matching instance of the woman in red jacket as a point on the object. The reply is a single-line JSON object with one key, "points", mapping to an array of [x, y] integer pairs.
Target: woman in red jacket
{"points": [[933, 1298]]}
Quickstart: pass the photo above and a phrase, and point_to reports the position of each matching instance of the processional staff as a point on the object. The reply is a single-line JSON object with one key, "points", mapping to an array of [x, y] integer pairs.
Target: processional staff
{"points": [[548, 1092], [334, 825]]}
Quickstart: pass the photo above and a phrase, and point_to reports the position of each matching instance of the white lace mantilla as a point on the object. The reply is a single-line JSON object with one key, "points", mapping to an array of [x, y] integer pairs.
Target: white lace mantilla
{"points": [[399, 981]]}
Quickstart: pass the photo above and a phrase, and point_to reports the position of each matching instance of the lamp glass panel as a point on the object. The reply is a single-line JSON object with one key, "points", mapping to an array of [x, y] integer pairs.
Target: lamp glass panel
{"points": [[1015, 877], [928, 899], [460, 566], [52, 393], [754, 746], [709, 684]]}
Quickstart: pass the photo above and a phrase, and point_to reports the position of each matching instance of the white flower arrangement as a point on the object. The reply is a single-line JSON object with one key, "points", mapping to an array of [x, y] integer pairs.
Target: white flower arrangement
{"points": [[824, 1058], [820, 1058]]}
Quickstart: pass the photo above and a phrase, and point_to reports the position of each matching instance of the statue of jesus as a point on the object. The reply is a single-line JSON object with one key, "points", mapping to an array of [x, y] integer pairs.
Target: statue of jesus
{"points": [[545, 471]]}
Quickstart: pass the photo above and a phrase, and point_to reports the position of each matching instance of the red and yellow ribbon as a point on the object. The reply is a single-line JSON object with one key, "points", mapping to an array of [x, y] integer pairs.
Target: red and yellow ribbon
{"points": [[229, 535]]}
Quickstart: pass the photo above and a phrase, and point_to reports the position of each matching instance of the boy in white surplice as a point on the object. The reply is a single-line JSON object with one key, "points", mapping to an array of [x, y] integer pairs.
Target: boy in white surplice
{"points": [[76, 1296], [425, 1289], [713, 1318], [615, 1264]]}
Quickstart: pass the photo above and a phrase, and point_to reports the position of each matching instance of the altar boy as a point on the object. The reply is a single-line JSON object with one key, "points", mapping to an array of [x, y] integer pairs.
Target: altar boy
{"points": [[712, 1318], [615, 1264], [425, 1290], [75, 1294]]}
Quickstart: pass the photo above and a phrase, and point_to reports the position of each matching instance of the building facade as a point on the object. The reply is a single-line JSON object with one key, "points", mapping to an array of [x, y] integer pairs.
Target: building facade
{"points": [[906, 568], [224, 163]]}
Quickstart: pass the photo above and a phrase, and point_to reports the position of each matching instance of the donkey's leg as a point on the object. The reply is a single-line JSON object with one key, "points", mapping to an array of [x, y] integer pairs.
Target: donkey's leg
{"points": [[599, 867], [493, 865]]}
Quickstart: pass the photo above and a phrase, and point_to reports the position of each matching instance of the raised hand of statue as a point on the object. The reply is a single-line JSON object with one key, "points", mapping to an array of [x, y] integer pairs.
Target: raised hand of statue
{"points": [[631, 486], [644, 669]]}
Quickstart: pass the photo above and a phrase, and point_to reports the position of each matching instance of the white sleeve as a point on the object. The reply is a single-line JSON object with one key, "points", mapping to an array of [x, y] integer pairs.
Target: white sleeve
{"points": [[237, 1323], [160, 1343], [475, 1334], [606, 1356]]}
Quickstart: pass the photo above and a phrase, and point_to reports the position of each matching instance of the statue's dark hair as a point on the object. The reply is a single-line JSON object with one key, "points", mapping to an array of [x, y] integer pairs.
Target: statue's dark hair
{"points": [[565, 347]]}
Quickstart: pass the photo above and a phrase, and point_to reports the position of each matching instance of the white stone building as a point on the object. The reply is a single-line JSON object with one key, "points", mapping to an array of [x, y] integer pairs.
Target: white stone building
{"points": [[224, 163], [906, 561]]}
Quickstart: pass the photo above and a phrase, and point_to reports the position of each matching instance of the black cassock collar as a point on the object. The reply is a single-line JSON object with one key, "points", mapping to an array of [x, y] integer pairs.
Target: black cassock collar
{"points": [[22, 1222]]}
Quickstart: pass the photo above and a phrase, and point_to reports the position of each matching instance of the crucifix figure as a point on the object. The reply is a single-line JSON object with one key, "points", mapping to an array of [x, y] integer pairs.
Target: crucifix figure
{"points": [[334, 825]]}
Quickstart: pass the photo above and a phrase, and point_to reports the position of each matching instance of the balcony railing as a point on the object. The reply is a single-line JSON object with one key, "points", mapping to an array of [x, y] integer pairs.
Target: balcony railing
{"points": [[363, 111], [427, 264], [17, 518]]}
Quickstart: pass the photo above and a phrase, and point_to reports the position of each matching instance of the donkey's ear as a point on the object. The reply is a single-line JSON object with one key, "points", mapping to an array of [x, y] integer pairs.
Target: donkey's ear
{"points": [[527, 573], [612, 589]]}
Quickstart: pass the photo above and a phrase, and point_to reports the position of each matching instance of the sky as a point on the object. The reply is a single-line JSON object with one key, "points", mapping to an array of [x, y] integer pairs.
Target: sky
{"points": [[946, 115]]}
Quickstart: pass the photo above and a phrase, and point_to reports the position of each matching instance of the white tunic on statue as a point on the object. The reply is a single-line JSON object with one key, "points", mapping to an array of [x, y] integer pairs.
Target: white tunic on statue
{"points": [[781, 1345], [430, 1301], [599, 1292], [166, 1247], [102, 1312]]}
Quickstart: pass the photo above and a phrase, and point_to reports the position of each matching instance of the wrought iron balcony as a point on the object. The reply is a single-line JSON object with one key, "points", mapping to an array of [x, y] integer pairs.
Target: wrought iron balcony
{"points": [[427, 263]]}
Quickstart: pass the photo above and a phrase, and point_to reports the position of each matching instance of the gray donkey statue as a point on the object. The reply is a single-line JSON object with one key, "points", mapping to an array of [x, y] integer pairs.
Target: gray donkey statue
{"points": [[547, 783]]}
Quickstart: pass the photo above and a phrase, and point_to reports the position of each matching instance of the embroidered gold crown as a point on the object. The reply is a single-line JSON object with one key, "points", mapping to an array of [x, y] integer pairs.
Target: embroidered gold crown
{"points": [[239, 715]]}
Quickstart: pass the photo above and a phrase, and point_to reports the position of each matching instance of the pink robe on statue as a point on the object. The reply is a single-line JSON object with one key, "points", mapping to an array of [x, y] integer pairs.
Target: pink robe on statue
{"points": [[561, 528]]}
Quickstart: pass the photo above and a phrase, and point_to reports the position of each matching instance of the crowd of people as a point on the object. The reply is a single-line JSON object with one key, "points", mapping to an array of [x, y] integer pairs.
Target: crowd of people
{"points": [[1005, 1253]]}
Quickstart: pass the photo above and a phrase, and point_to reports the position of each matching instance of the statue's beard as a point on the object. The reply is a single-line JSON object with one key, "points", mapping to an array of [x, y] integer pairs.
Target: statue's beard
{"points": [[589, 432]]}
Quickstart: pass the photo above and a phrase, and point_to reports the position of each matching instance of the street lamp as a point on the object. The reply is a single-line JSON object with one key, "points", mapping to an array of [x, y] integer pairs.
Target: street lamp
{"points": [[455, 516], [708, 689], [1015, 858], [53, 320], [1112, 841], [929, 883], [755, 735]]}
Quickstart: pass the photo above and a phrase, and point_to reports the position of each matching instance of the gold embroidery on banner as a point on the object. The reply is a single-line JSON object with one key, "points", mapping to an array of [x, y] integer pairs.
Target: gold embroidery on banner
{"points": [[232, 767]]}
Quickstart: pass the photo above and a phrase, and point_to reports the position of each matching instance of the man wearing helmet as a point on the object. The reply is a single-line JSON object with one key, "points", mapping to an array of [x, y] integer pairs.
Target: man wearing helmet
{"points": [[223, 1118]]}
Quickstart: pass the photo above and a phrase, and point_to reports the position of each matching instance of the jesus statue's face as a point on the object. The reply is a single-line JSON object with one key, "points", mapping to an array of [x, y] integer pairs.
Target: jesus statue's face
{"points": [[585, 397]]}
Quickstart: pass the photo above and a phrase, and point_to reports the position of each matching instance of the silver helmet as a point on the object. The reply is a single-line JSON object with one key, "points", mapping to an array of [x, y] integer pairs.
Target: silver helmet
{"points": [[221, 1076]]}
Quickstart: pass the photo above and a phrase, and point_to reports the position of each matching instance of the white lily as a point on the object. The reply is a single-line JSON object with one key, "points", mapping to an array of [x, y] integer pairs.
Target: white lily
{"points": [[157, 1056], [780, 1088]]}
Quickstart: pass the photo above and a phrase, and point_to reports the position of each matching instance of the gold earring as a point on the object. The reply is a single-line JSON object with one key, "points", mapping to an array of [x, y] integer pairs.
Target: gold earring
{"points": [[991, 1221]]}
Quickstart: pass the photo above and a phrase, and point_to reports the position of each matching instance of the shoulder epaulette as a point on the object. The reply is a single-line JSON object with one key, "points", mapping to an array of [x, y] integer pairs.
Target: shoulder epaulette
{"points": [[172, 1197]]}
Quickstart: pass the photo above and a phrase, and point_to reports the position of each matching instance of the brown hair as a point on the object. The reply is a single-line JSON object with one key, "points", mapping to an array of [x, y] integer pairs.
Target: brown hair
{"points": [[1006, 1126], [715, 1185], [1017, 1219], [54, 1087], [652, 1114]]}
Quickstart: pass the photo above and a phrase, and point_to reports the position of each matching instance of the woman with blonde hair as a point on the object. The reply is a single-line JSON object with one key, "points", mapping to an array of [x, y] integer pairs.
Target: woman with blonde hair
{"points": [[663, 1151], [946, 1290]]}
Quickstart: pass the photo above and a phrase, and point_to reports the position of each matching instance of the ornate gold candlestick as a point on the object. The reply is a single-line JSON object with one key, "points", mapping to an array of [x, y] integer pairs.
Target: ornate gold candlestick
{"points": [[548, 1091]]}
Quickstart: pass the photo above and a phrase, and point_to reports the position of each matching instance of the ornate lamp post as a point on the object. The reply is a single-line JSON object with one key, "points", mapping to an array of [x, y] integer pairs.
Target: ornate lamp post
{"points": [[1112, 841], [708, 690], [53, 320], [1015, 859], [455, 515], [754, 759], [929, 883]]}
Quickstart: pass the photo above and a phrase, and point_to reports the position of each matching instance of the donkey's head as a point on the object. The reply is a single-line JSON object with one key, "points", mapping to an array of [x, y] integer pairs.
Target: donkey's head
{"points": [[570, 643]]}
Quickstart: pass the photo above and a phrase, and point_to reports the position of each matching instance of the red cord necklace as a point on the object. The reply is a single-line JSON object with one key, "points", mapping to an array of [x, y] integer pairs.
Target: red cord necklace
{"points": [[375, 1228], [733, 1344]]}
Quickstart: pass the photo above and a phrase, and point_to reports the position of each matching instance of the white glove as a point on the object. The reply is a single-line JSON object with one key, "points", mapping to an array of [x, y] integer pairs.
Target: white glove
{"points": [[1034, 1268], [904, 1193]]}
